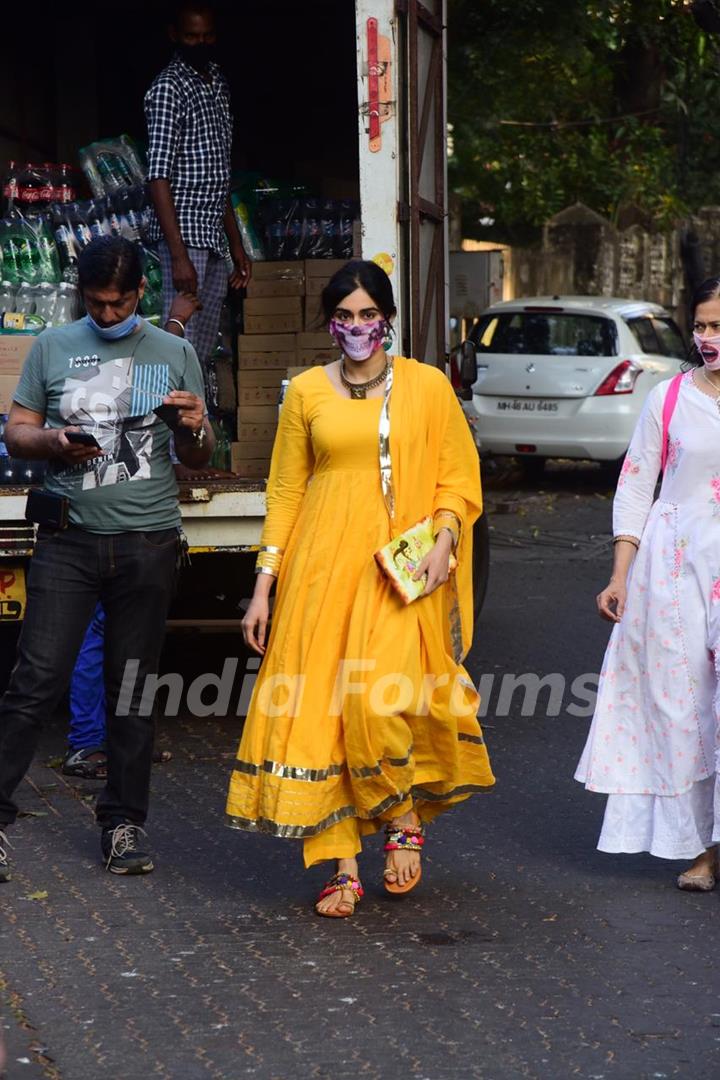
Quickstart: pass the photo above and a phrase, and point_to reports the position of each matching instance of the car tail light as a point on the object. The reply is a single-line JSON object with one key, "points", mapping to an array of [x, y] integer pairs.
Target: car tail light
{"points": [[621, 380]]}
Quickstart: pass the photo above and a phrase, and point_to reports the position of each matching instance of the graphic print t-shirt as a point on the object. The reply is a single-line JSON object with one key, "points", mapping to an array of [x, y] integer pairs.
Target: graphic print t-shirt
{"points": [[110, 389]]}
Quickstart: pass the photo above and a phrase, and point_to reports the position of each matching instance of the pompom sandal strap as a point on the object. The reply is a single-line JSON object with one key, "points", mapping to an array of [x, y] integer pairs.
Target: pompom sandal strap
{"points": [[409, 838], [341, 883]]}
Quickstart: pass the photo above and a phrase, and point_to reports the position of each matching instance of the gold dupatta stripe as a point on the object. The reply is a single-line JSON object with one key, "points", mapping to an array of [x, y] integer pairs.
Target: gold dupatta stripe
{"points": [[386, 474], [376, 770]]}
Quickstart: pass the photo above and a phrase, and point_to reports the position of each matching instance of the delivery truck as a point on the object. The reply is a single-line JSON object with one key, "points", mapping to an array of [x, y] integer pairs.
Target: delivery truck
{"points": [[345, 96]]}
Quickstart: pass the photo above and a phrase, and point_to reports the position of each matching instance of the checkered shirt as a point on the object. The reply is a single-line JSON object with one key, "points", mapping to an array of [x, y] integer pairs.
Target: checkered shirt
{"points": [[189, 139]]}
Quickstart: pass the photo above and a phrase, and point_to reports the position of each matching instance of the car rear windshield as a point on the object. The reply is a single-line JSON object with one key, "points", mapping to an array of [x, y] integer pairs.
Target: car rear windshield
{"points": [[658, 335], [546, 334]]}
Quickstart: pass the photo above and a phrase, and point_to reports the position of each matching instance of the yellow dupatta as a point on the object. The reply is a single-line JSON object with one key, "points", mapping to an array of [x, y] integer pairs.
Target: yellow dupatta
{"points": [[433, 465]]}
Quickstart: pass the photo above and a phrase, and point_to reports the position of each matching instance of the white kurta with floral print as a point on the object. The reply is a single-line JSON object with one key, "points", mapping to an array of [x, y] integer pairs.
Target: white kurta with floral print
{"points": [[653, 744]]}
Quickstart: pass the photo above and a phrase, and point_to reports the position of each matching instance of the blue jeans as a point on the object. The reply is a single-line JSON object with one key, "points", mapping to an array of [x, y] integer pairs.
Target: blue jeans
{"points": [[87, 689], [133, 575]]}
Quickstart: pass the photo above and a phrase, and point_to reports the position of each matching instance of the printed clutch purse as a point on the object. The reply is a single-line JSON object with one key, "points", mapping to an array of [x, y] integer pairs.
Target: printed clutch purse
{"points": [[399, 559]]}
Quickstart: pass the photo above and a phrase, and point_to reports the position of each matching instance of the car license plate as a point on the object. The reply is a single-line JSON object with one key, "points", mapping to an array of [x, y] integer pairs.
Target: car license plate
{"points": [[526, 405], [12, 593]]}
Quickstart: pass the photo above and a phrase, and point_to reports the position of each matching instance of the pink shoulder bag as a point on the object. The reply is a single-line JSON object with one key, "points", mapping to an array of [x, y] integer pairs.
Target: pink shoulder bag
{"points": [[668, 410]]}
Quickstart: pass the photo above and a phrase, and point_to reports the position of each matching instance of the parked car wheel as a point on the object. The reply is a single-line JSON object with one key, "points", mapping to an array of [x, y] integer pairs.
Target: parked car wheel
{"points": [[533, 468]]}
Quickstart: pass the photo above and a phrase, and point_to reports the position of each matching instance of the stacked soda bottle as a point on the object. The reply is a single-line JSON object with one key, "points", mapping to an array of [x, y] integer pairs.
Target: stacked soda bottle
{"points": [[28, 250], [45, 227], [296, 227], [35, 186]]}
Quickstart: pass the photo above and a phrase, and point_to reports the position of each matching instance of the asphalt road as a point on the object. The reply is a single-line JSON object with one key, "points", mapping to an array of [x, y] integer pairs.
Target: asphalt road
{"points": [[524, 953]]}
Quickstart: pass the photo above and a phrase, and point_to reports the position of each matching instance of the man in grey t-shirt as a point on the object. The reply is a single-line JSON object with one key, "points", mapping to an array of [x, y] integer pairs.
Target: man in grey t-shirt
{"points": [[103, 378]]}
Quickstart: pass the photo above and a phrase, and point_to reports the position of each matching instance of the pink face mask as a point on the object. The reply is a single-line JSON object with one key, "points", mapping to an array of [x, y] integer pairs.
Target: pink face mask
{"points": [[709, 349], [358, 342]]}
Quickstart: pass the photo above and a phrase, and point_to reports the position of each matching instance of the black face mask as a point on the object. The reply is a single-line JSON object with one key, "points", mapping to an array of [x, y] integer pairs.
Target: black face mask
{"points": [[197, 56]]}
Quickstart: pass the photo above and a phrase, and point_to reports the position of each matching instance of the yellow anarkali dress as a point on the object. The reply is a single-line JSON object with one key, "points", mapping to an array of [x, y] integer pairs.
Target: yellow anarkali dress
{"points": [[362, 708]]}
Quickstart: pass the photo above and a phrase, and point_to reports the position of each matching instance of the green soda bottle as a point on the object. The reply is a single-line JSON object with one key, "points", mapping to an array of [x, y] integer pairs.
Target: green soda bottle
{"points": [[49, 260], [11, 271], [152, 300], [28, 258]]}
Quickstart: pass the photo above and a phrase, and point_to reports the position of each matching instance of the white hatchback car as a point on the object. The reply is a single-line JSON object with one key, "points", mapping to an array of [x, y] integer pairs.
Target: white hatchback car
{"points": [[567, 376]]}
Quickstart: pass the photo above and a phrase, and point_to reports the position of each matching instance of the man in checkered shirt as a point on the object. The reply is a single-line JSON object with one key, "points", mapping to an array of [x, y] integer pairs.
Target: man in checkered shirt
{"points": [[189, 136]]}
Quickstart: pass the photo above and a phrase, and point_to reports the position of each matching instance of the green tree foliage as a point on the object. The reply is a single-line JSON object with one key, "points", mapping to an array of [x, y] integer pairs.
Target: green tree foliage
{"points": [[615, 103]]}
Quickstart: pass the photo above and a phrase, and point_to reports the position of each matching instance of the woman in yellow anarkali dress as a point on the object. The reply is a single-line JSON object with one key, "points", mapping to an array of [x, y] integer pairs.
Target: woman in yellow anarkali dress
{"points": [[362, 715]]}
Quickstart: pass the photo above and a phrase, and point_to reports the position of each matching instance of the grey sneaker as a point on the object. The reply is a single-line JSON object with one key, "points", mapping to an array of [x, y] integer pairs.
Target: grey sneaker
{"points": [[123, 851], [5, 874]]}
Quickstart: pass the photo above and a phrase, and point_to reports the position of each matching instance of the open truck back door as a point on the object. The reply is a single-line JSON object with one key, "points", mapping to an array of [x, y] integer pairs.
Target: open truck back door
{"points": [[403, 162]]}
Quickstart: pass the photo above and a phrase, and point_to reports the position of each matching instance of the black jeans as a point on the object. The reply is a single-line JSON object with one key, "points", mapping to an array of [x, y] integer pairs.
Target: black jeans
{"points": [[133, 574]]}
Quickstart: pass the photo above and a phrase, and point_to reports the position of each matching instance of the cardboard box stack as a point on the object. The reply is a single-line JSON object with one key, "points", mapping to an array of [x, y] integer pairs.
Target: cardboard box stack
{"points": [[13, 350], [283, 300], [263, 360]]}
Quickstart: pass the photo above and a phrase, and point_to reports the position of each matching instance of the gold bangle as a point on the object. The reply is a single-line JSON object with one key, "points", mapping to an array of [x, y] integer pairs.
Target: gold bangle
{"points": [[269, 561], [445, 519], [628, 539]]}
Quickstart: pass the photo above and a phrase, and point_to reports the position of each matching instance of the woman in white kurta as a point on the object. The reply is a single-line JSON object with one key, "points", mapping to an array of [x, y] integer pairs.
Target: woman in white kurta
{"points": [[653, 743]]}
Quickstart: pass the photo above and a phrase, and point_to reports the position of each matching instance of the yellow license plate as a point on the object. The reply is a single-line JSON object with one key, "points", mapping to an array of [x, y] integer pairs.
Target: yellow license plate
{"points": [[12, 593]]}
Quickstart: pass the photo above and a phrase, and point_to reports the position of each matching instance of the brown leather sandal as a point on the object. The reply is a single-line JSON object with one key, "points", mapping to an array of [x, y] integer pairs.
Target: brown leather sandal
{"points": [[341, 883], [411, 838]]}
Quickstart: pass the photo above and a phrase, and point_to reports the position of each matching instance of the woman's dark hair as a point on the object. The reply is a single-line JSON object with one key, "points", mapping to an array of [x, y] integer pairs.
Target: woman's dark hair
{"points": [[359, 274], [110, 261], [709, 290]]}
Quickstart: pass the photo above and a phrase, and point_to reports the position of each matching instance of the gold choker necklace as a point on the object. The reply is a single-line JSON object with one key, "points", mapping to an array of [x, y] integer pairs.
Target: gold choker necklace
{"points": [[359, 390]]}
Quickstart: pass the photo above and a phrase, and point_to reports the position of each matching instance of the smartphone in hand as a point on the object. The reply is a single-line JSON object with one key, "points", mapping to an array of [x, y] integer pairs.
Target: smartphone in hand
{"points": [[169, 414], [82, 438]]}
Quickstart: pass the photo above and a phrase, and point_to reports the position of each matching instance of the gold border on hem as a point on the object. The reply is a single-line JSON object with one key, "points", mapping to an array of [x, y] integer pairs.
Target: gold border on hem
{"points": [[296, 772], [299, 832], [288, 772], [289, 832]]}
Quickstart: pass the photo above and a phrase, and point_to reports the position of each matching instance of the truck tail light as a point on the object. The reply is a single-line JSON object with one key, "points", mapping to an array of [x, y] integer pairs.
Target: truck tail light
{"points": [[621, 380]]}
